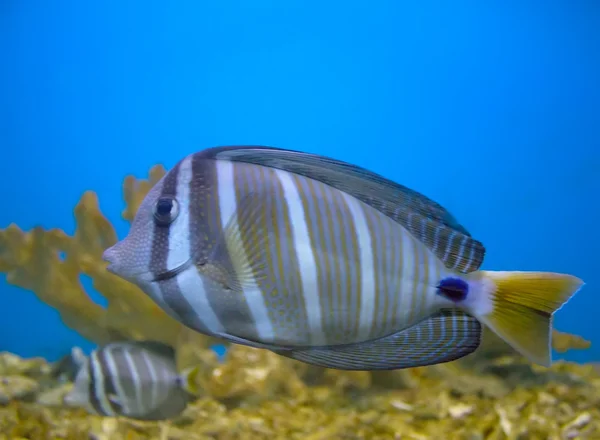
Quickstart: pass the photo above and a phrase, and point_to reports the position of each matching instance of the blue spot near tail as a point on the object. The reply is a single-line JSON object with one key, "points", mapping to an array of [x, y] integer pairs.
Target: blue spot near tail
{"points": [[455, 289], [220, 351]]}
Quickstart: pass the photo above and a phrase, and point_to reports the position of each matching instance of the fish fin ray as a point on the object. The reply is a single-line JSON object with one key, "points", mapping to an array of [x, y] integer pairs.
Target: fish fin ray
{"points": [[456, 250], [447, 335], [242, 244], [336, 173], [522, 308], [426, 219], [253, 344]]}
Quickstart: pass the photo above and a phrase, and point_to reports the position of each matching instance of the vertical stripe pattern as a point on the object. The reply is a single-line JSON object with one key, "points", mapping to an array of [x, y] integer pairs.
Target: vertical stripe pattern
{"points": [[170, 249], [307, 269], [333, 270], [125, 379], [367, 294], [285, 314], [222, 310], [335, 252], [97, 387], [260, 326]]}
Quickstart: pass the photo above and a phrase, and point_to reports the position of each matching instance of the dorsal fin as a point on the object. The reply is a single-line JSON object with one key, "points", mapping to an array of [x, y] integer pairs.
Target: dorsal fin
{"points": [[427, 220], [157, 347]]}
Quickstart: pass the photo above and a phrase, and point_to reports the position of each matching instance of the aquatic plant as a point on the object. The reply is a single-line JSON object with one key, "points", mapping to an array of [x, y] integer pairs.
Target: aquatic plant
{"points": [[50, 263]]}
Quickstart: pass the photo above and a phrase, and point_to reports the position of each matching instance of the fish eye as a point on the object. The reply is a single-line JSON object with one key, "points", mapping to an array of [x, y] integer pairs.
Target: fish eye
{"points": [[166, 211]]}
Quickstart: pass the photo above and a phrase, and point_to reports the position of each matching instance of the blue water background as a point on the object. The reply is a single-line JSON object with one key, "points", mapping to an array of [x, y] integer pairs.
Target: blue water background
{"points": [[492, 108]]}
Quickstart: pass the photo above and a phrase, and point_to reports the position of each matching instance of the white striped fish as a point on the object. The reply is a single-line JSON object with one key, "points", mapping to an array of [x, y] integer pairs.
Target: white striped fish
{"points": [[136, 379], [325, 262]]}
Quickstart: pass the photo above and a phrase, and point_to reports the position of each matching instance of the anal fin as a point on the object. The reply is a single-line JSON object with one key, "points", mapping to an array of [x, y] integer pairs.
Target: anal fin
{"points": [[446, 336]]}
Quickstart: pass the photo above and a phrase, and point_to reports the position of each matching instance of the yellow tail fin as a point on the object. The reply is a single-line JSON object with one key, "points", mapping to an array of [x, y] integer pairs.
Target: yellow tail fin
{"points": [[191, 380], [522, 305]]}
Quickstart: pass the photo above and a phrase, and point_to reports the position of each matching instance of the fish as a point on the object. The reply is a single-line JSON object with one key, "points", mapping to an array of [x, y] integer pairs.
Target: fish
{"points": [[326, 262], [135, 379]]}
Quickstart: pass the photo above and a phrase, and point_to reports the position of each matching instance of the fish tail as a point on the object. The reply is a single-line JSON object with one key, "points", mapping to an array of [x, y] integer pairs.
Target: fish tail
{"points": [[518, 307], [190, 380]]}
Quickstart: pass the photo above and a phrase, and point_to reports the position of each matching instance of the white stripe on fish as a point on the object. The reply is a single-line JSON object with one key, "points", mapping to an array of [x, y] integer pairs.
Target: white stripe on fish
{"points": [[305, 257], [99, 387], [251, 291], [367, 288], [190, 282]]}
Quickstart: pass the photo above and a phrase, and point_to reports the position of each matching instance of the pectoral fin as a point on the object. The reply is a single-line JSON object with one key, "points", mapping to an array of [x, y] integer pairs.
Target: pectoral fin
{"points": [[238, 259]]}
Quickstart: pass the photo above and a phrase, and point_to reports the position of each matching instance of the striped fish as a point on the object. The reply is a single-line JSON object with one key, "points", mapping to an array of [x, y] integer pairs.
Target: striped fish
{"points": [[135, 379], [325, 262]]}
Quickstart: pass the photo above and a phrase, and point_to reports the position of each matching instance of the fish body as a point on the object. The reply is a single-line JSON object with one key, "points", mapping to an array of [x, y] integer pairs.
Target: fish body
{"points": [[135, 379], [322, 261]]}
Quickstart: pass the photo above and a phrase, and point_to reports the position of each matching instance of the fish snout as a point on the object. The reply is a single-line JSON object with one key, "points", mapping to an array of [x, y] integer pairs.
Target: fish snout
{"points": [[127, 261], [121, 261], [110, 255]]}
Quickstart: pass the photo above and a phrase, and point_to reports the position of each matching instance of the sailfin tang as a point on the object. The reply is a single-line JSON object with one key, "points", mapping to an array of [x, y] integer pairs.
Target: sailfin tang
{"points": [[522, 305], [243, 244], [427, 220], [446, 336]]}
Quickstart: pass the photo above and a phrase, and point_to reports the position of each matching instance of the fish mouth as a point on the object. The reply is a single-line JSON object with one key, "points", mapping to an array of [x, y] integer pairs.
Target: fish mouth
{"points": [[143, 274], [117, 270], [148, 275]]}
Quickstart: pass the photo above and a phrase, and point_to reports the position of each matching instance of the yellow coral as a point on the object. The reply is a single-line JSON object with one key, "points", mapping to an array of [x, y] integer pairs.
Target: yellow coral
{"points": [[50, 263], [259, 395]]}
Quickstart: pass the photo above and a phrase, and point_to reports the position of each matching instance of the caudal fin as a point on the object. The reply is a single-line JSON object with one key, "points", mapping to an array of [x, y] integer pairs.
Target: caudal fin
{"points": [[191, 380], [521, 308]]}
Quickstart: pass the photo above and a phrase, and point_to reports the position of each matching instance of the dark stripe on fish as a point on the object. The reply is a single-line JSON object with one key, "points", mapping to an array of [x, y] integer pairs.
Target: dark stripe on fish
{"points": [[93, 396], [125, 375], [205, 216], [109, 380], [160, 242], [168, 284], [206, 227]]}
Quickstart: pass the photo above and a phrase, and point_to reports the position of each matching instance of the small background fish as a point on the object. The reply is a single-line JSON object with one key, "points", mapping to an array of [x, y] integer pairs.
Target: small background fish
{"points": [[136, 379]]}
